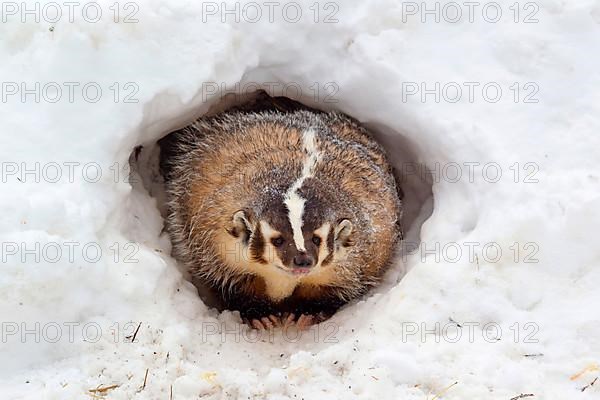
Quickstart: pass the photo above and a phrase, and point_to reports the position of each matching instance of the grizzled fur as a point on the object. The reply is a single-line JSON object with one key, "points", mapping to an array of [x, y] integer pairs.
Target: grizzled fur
{"points": [[246, 159]]}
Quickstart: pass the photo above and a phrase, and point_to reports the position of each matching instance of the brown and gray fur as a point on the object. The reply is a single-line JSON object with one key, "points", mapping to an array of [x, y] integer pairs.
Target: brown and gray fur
{"points": [[229, 183]]}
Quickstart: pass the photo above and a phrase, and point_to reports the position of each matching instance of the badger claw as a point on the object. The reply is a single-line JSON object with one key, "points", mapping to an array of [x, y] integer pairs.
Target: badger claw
{"points": [[305, 322], [288, 320], [257, 324], [267, 322], [275, 320]]}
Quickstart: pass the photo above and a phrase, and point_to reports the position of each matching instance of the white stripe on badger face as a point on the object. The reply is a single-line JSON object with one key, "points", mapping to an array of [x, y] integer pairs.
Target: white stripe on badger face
{"points": [[295, 205], [292, 200]]}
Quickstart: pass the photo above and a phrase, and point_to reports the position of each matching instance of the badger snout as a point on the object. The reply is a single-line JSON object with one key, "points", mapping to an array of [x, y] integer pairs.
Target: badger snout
{"points": [[303, 260]]}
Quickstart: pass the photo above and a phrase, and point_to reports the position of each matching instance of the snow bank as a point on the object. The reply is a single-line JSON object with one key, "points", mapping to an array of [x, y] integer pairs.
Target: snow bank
{"points": [[86, 268]]}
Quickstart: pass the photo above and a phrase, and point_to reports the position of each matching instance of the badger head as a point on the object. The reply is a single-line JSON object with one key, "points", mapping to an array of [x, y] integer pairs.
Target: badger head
{"points": [[296, 246], [293, 238]]}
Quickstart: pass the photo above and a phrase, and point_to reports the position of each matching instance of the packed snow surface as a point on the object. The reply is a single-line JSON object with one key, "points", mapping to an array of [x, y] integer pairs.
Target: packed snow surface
{"points": [[501, 103]]}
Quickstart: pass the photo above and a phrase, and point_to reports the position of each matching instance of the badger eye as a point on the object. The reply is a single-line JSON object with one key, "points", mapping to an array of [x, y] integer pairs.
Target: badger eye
{"points": [[316, 240], [278, 241]]}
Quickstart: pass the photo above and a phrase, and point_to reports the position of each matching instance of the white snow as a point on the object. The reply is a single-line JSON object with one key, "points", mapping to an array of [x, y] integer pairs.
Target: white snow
{"points": [[529, 316]]}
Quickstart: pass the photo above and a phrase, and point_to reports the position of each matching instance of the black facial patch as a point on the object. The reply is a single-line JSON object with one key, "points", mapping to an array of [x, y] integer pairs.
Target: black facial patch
{"points": [[257, 246], [317, 212], [275, 213], [330, 247]]}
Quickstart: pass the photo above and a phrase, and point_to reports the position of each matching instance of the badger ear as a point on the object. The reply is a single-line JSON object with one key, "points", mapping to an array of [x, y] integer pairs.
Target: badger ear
{"points": [[241, 227], [343, 233]]}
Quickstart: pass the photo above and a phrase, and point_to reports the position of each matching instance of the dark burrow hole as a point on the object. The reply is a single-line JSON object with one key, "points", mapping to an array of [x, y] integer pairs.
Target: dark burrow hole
{"points": [[416, 187]]}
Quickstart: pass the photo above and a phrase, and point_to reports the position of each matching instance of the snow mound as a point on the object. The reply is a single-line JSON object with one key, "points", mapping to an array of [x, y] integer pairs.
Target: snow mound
{"points": [[500, 116]]}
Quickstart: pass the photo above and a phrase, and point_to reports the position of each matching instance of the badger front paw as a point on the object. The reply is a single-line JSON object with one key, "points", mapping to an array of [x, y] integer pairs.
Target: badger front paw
{"points": [[265, 323], [303, 322]]}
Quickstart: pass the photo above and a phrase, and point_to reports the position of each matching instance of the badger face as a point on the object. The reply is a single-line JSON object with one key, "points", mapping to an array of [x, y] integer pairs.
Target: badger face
{"points": [[299, 248], [297, 231]]}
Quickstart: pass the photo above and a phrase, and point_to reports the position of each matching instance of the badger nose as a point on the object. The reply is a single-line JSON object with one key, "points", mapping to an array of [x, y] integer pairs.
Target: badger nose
{"points": [[303, 260]]}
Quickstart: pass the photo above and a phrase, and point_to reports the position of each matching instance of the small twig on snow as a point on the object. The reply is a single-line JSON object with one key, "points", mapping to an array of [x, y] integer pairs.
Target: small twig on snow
{"points": [[589, 384], [522, 396]]}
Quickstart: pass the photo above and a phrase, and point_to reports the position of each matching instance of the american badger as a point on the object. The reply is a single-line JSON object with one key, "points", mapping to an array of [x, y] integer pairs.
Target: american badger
{"points": [[286, 212]]}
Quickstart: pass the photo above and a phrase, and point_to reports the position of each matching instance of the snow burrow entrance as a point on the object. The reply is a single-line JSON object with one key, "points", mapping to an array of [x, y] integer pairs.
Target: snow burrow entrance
{"points": [[416, 185]]}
